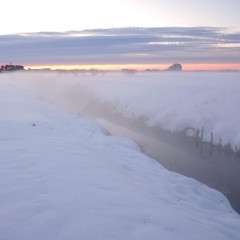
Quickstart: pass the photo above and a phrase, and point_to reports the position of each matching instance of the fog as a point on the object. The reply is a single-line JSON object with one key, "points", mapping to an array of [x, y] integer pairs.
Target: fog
{"points": [[130, 106]]}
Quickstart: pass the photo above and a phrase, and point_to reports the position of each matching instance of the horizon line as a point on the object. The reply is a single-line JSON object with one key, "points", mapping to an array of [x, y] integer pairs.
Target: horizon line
{"points": [[140, 67]]}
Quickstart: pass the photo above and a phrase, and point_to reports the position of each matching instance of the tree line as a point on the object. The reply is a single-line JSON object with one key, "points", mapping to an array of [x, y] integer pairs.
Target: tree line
{"points": [[11, 67]]}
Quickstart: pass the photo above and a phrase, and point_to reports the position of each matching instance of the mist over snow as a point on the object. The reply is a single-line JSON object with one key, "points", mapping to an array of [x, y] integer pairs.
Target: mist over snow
{"points": [[172, 101], [62, 178]]}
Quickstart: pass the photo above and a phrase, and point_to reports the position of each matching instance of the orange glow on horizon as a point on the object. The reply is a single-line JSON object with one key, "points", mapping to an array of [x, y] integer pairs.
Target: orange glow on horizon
{"points": [[140, 67], [214, 67]]}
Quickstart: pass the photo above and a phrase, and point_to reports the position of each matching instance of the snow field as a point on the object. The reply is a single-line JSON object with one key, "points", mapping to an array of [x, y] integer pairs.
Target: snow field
{"points": [[175, 101], [172, 101], [64, 179]]}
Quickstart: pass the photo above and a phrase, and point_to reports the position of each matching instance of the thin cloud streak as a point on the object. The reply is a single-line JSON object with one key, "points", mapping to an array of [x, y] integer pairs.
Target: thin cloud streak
{"points": [[122, 46]]}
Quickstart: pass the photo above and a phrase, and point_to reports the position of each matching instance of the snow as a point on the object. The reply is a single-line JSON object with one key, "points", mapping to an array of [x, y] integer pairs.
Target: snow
{"points": [[62, 178], [175, 101], [172, 101]]}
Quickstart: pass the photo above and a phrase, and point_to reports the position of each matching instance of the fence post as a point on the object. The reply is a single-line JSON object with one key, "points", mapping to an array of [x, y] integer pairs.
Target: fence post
{"points": [[211, 148], [202, 140]]}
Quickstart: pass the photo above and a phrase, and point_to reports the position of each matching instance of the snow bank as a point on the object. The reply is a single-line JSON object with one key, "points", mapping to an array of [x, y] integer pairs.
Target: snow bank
{"points": [[62, 178], [175, 101], [172, 101]]}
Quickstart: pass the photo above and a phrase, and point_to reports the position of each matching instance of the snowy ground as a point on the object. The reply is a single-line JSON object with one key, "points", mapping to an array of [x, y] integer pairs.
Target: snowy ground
{"points": [[175, 101], [62, 178], [172, 101]]}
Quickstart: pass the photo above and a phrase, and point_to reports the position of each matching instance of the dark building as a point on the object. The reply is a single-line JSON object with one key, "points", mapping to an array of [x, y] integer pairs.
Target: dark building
{"points": [[175, 67], [11, 67]]}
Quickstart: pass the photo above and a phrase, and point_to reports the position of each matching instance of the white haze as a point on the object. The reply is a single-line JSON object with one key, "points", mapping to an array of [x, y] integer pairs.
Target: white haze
{"points": [[172, 101], [62, 178]]}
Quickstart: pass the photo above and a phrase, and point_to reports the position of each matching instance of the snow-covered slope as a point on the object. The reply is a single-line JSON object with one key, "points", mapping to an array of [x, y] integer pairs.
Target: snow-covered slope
{"points": [[62, 178], [172, 101], [175, 101]]}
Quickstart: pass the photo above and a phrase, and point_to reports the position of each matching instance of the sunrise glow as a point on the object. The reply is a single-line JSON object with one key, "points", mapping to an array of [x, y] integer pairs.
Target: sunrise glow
{"points": [[140, 67]]}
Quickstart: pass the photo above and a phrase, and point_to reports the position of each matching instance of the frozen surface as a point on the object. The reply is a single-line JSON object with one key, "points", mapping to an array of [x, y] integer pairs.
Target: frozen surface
{"points": [[172, 101], [62, 178], [175, 101]]}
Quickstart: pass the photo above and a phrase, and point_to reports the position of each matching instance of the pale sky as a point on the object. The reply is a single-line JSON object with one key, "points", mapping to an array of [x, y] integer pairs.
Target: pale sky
{"points": [[48, 15], [121, 32]]}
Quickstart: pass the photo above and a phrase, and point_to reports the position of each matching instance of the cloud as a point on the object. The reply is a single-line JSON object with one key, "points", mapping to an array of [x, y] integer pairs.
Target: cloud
{"points": [[123, 46]]}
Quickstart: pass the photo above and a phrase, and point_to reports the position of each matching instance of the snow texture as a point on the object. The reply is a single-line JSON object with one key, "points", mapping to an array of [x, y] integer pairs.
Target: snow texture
{"points": [[175, 101], [172, 101], [62, 178]]}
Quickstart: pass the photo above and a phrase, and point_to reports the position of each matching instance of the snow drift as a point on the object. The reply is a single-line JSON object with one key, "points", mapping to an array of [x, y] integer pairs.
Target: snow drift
{"points": [[62, 178]]}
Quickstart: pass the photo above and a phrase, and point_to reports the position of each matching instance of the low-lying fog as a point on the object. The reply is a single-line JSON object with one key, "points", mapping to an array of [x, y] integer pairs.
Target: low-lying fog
{"points": [[152, 108]]}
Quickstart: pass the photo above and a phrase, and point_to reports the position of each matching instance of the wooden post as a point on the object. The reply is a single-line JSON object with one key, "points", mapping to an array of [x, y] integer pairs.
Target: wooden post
{"points": [[202, 133], [202, 141], [211, 149]]}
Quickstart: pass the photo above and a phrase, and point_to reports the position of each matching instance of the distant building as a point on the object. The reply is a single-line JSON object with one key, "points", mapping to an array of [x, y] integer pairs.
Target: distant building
{"points": [[11, 67], [152, 70], [175, 67], [40, 69]]}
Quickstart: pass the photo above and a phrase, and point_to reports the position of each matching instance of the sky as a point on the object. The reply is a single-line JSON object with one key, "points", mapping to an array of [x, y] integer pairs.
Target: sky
{"points": [[114, 33]]}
